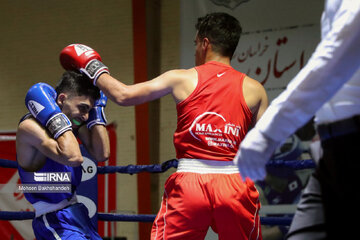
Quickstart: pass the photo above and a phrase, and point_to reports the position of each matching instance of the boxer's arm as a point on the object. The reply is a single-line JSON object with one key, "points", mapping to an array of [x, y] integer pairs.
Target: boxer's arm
{"points": [[87, 60], [94, 135], [33, 144], [96, 141], [179, 83], [255, 97]]}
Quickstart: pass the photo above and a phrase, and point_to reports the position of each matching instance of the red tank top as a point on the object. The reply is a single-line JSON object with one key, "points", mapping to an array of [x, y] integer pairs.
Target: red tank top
{"points": [[214, 119]]}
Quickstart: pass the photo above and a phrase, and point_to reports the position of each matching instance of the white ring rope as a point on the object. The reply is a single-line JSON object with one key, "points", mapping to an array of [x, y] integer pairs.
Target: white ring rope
{"points": [[4, 138]]}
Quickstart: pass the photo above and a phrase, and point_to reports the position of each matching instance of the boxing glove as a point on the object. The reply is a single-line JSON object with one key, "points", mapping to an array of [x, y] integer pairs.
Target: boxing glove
{"points": [[83, 58], [97, 114], [41, 102]]}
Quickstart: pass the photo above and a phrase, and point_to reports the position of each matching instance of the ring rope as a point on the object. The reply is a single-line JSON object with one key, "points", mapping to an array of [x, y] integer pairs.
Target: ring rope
{"points": [[133, 169], [112, 217], [8, 163], [155, 168], [159, 168], [293, 164], [5, 138]]}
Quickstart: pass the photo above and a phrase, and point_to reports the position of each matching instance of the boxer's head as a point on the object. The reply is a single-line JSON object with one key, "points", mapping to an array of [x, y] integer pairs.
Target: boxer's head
{"points": [[220, 30], [76, 96]]}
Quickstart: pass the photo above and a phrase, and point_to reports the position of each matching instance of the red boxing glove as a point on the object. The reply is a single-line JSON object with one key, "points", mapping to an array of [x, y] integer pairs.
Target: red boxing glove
{"points": [[83, 58]]}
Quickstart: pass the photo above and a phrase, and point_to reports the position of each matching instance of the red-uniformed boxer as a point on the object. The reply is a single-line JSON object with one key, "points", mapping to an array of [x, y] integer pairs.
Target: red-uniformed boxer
{"points": [[216, 105]]}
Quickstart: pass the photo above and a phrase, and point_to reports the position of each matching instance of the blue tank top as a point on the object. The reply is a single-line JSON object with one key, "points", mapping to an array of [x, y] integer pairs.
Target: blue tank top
{"points": [[50, 166]]}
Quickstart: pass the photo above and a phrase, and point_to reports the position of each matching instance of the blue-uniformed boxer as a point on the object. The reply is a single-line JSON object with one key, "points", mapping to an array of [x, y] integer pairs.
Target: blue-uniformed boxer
{"points": [[46, 144]]}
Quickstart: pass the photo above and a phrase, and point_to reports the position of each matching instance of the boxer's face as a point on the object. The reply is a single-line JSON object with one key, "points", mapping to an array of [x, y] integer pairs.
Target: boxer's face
{"points": [[76, 108]]}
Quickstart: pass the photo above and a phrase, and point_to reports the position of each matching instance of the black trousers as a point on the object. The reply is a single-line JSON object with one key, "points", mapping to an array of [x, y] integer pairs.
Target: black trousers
{"points": [[329, 206]]}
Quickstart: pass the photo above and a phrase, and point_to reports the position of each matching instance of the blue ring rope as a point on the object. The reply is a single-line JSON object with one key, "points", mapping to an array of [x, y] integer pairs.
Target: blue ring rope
{"points": [[131, 169], [156, 168], [112, 217], [8, 163], [159, 168]]}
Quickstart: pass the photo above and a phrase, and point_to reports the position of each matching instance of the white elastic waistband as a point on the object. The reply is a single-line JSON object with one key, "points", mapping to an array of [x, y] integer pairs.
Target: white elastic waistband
{"points": [[206, 166], [45, 207]]}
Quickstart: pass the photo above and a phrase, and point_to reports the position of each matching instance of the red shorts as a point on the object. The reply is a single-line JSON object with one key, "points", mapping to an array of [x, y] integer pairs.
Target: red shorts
{"points": [[198, 196]]}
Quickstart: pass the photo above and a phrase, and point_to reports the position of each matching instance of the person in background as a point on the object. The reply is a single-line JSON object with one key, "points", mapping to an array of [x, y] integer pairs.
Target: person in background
{"points": [[329, 88]]}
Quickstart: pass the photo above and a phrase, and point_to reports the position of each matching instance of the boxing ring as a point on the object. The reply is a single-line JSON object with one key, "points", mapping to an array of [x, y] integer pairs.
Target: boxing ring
{"points": [[155, 168]]}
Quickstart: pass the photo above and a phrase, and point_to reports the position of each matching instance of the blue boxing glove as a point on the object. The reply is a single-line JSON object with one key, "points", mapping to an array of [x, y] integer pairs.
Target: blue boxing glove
{"points": [[41, 102], [97, 114]]}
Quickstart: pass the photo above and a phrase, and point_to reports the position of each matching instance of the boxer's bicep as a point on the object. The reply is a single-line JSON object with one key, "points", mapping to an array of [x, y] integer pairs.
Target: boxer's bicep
{"points": [[169, 82], [255, 98], [27, 141]]}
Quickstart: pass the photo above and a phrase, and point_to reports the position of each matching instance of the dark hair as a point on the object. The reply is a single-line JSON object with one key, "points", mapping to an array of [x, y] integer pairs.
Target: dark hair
{"points": [[77, 84], [222, 30]]}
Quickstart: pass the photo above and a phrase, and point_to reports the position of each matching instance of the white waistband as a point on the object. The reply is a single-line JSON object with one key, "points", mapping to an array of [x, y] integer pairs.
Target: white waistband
{"points": [[45, 207], [206, 166]]}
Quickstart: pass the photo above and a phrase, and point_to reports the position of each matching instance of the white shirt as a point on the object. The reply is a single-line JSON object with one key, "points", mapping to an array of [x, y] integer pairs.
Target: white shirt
{"points": [[346, 102], [332, 68]]}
